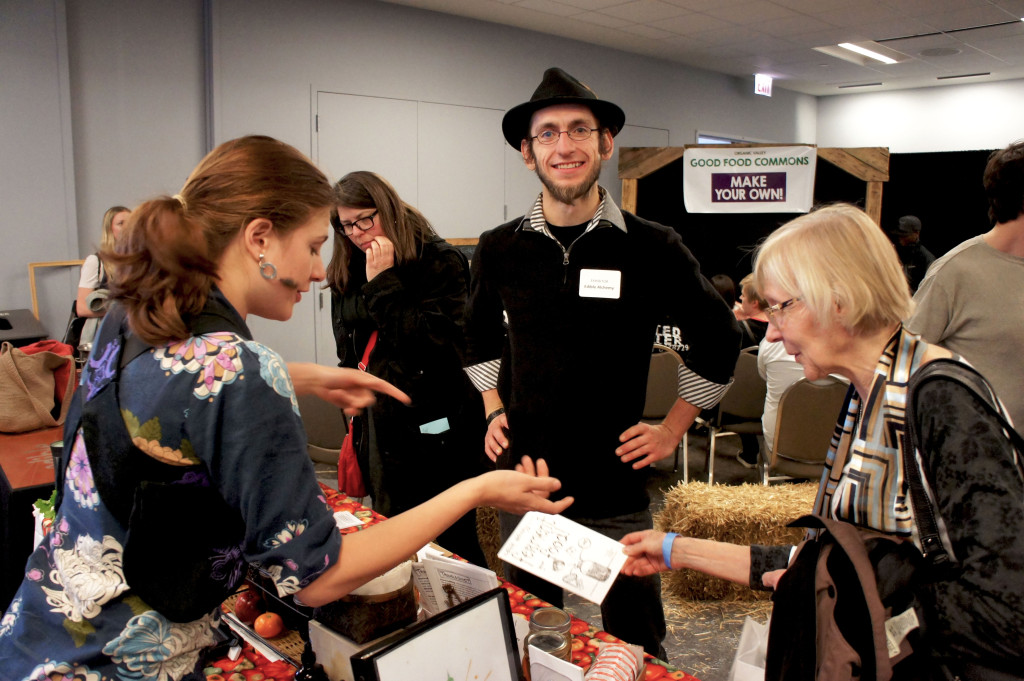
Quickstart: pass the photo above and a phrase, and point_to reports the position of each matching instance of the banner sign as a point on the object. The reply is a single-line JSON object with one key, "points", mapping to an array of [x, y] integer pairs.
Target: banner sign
{"points": [[749, 179]]}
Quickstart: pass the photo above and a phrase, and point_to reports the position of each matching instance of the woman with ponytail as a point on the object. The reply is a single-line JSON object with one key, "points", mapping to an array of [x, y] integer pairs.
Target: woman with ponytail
{"points": [[398, 299], [186, 456]]}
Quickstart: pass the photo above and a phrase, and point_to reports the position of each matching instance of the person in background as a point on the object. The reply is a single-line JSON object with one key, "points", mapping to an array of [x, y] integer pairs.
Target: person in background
{"points": [[916, 259], [91, 300], [94, 275], [393, 279], [179, 395], [971, 300], [561, 307], [837, 295], [726, 288], [749, 311]]}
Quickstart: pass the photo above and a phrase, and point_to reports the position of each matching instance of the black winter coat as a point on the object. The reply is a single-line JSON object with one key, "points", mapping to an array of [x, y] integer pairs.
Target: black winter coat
{"points": [[418, 310]]}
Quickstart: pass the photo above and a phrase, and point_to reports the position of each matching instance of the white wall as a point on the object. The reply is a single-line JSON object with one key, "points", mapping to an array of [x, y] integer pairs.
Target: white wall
{"points": [[137, 102], [137, 107], [36, 170], [269, 56], [951, 118]]}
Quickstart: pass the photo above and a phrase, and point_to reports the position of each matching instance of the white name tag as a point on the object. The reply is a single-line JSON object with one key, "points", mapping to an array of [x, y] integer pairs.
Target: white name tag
{"points": [[600, 283]]}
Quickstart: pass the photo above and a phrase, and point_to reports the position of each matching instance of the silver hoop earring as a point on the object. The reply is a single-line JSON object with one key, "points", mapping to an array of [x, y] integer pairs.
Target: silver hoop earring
{"points": [[267, 270]]}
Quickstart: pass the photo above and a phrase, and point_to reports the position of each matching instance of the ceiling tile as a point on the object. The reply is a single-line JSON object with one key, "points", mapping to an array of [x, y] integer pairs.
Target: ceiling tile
{"points": [[981, 35], [830, 36], [1007, 49], [591, 4], [1015, 8], [927, 8], [913, 46], [647, 31], [966, 18], [701, 5], [793, 26], [750, 12], [601, 19], [548, 7], [814, 6], [694, 23], [736, 36], [732, 35], [858, 14], [645, 11]]}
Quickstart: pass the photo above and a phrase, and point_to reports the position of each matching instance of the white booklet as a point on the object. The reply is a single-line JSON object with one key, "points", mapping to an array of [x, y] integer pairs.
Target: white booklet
{"points": [[565, 553], [444, 582]]}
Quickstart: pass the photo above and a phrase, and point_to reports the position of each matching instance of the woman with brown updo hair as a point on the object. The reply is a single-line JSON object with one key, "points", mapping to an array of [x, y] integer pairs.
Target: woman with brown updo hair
{"points": [[186, 455]]}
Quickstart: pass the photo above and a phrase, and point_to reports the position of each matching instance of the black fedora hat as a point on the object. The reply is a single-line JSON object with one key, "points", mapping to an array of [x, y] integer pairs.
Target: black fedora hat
{"points": [[558, 87]]}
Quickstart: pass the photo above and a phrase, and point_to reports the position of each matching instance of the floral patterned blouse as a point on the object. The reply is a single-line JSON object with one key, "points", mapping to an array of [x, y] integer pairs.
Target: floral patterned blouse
{"points": [[218, 403]]}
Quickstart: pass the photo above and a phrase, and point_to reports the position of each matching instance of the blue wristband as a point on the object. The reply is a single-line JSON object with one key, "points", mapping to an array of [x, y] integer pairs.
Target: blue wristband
{"points": [[666, 548]]}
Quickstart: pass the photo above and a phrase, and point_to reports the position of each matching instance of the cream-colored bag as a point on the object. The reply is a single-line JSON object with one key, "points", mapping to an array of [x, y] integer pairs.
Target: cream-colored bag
{"points": [[28, 386], [748, 664]]}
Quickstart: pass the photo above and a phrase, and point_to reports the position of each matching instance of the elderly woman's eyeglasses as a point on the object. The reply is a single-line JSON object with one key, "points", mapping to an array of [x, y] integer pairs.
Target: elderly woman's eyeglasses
{"points": [[774, 312], [364, 224], [580, 133]]}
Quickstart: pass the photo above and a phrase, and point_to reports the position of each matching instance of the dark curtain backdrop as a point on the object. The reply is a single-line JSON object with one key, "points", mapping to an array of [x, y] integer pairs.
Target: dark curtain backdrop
{"points": [[943, 189]]}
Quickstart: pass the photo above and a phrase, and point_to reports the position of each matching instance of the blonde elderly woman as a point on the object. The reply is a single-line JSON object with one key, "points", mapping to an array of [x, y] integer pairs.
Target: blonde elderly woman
{"points": [[837, 296]]}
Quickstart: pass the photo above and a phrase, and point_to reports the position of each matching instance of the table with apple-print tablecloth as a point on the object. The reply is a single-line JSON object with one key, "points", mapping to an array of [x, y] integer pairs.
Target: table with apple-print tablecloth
{"points": [[585, 636]]}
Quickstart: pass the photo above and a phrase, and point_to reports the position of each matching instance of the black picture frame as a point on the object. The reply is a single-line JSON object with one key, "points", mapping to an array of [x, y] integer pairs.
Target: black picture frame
{"points": [[478, 631]]}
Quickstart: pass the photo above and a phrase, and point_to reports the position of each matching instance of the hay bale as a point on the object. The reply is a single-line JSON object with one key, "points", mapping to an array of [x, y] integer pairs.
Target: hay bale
{"points": [[741, 514], [488, 532]]}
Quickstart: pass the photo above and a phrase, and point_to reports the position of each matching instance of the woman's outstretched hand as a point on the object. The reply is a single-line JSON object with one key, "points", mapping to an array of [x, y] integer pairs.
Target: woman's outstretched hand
{"points": [[350, 389], [525, 489], [644, 553]]}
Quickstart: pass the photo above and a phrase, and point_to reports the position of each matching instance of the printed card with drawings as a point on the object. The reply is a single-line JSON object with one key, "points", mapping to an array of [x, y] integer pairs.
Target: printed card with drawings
{"points": [[565, 553]]}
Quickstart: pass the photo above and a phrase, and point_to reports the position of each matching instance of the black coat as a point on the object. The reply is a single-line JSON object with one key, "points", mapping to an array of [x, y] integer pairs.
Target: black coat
{"points": [[418, 310]]}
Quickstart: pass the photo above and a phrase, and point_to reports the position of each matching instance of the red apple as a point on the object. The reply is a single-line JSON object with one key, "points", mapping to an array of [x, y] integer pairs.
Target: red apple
{"points": [[578, 627], [248, 607]]}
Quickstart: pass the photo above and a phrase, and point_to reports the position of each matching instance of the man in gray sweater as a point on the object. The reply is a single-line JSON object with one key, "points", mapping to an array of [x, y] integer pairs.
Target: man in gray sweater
{"points": [[972, 299]]}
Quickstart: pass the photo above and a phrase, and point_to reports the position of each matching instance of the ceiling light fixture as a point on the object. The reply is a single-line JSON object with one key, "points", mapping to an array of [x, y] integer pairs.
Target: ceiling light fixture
{"points": [[870, 54], [964, 75], [865, 53], [843, 87]]}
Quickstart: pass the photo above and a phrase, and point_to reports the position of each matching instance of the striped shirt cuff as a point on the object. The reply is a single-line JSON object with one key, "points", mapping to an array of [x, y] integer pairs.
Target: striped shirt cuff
{"points": [[699, 391], [485, 374]]}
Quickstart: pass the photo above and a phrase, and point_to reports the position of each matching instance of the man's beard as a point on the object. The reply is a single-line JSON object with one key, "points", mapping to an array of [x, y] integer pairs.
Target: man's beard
{"points": [[568, 195]]}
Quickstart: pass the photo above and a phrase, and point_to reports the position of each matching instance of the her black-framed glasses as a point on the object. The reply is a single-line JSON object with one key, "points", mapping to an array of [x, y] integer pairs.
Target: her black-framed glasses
{"points": [[364, 224]]}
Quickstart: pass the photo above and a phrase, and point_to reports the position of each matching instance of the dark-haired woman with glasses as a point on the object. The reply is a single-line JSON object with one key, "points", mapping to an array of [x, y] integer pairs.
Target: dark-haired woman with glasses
{"points": [[398, 287]]}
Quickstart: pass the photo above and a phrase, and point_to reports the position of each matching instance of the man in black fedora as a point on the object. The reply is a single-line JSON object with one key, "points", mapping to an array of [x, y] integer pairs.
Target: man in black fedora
{"points": [[561, 307]]}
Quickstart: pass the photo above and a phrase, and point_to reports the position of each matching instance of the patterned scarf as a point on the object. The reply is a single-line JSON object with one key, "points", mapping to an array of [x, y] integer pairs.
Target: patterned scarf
{"points": [[863, 479]]}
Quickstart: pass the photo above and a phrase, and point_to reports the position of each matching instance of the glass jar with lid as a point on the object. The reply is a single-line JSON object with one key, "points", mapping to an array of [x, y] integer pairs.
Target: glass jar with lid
{"points": [[549, 631]]}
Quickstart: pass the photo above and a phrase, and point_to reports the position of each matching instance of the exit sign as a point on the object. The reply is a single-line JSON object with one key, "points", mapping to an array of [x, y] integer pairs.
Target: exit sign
{"points": [[762, 84]]}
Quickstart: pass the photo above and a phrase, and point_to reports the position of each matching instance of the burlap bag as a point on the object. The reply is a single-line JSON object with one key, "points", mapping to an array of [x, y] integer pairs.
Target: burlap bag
{"points": [[29, 396]]}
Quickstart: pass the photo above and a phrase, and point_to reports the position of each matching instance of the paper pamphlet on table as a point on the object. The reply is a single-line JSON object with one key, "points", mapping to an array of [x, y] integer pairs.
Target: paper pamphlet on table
{"points": [[345, 519], [546, 667], [565, 553], [444, 582]]}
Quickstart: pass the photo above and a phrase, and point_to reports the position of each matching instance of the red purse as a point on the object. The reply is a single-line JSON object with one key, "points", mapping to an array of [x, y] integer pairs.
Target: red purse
{"points": [[350, 478]]}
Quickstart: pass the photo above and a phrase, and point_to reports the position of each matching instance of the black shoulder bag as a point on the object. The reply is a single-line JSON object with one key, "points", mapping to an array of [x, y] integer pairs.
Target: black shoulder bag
{"points": [[183, 539]]}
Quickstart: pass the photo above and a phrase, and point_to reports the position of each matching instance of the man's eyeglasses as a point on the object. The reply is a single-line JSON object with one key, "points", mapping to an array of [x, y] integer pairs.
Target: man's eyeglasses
{"points": [[774, 312], [580, 133], [364, 224]]}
